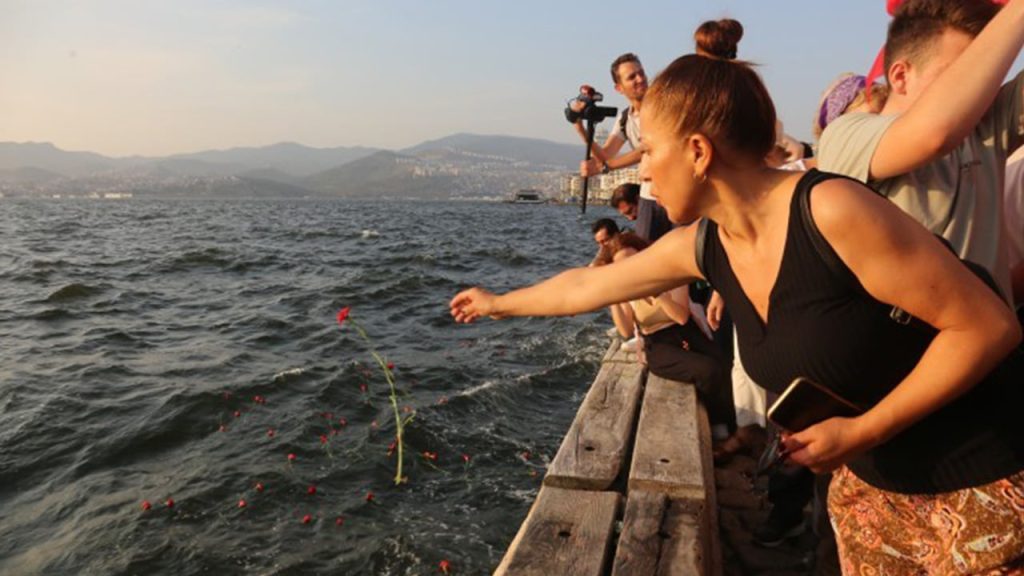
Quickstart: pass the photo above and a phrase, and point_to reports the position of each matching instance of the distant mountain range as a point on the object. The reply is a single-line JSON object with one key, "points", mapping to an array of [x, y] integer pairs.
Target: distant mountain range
{"points": [[457, 165]]}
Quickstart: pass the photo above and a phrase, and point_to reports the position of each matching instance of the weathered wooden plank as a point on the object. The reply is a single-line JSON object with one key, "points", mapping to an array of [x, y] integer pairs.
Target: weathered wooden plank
{"points": [[713, 549], [567, 532], [659, 537], [595, 448], [672, 455], [667, 457]]}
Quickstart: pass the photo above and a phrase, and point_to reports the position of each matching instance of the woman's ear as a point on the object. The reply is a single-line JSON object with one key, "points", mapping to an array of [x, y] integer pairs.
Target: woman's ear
{"points": [[701, 153]]}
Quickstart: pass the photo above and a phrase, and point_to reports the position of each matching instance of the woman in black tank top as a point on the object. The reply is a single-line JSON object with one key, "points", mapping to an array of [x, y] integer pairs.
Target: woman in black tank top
{"points": [[805, 263]]}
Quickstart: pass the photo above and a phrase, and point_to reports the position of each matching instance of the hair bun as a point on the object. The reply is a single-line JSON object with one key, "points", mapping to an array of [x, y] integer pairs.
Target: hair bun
{"points": [[719, 38]]}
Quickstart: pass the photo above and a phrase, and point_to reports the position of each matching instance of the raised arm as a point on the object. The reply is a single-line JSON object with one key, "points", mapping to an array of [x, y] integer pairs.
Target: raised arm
{"points": [[668, 263], [900, 263], [953, 104]]}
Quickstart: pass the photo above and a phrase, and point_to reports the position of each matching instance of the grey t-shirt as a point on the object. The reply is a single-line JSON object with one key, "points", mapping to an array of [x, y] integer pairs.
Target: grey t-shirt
{"points": [[957, 196]]}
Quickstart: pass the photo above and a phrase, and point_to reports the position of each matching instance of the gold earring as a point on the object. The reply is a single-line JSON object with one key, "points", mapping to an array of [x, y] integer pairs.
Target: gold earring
{"points": [[700, 179]]}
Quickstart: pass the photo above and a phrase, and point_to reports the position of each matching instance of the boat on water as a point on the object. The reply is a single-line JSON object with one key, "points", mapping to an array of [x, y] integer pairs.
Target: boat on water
{"points": [[528, 197]]}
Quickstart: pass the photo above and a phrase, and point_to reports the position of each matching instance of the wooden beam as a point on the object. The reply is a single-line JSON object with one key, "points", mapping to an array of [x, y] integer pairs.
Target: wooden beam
{"points": [[567, 532], [672, 456], [594, 450], [659, 537]]}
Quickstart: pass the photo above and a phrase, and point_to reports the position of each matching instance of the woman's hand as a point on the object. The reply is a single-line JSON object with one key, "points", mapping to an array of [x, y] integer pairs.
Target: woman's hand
{"points": [[828, 444], [471, 304], [716, 306]]}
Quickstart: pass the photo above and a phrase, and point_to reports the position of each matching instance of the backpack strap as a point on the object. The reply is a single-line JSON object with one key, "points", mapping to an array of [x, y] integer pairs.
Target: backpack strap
{"points": [[623, 119]]}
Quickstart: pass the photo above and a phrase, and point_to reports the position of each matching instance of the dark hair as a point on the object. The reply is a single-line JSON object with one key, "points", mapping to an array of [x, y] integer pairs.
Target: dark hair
{"points": [[724, 100], [628, 193], [627, 57], [606, 224], [719, 38], [917, 23], [620, 242]]}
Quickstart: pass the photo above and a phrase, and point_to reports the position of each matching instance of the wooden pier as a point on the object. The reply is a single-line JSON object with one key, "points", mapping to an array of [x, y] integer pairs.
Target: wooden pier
{"points": [[631, 491]]}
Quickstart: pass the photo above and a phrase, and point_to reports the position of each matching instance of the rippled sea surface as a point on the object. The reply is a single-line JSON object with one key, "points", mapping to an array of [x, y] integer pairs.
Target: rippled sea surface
{"points": [[134, 336]]}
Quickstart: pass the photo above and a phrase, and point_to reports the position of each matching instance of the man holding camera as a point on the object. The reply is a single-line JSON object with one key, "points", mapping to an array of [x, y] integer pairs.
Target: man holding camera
{"points": [[630, 81]]}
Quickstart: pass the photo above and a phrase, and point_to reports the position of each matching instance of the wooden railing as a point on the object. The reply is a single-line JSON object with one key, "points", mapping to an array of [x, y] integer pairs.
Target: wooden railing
{"points": [[631, 491]]}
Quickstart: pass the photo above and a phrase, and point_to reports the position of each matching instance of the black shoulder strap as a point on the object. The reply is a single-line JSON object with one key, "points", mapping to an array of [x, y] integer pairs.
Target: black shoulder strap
{"points": [[838, 268], [623, 119], [821, 246], [700, 245]]}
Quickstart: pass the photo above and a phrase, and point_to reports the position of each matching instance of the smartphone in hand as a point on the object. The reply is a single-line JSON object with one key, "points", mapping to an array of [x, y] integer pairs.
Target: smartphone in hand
{"points": [[805, 403]]}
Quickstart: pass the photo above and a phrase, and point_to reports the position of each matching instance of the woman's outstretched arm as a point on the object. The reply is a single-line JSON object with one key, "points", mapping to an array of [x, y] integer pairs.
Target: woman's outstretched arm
{"points": [[668, 263]]}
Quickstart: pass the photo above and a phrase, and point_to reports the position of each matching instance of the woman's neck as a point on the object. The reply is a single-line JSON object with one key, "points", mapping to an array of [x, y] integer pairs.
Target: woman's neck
{"points": [[745, 201]]}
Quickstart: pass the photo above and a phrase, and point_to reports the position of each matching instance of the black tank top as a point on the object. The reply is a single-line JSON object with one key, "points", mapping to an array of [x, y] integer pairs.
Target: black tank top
{"points": [[823, 325]]}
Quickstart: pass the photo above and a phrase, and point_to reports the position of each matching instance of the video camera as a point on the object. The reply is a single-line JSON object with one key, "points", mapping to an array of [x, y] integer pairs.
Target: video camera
{"points": [[584, 107]]}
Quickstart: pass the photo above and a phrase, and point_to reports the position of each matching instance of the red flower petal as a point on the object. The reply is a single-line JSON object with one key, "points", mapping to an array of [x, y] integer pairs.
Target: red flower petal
{"points": [[369, 496], [241, 503], [343, 314], [170, 502], [445, 566], [339, 520], [311, 490], [291, 457], [307, 519], [259, 487], [146, 505]]}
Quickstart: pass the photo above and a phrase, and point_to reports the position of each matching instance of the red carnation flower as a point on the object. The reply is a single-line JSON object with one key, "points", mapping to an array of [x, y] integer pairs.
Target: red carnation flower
{"points": [[465, 458], [369, 496], [445, 566], [146, 505], [343, 314], [339, 520], [170, 502], [391, 365], [242, 503], [291, 457], [323, 439], [259, 486], [311, 490], [307, 518], [270, 432]]}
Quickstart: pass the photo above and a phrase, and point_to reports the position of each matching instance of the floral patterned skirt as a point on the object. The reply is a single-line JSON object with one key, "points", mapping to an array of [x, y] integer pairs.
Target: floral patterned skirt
{"points": [[976, 530]]}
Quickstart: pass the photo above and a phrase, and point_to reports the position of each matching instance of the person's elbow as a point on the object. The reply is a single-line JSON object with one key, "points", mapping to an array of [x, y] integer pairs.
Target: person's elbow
{"points": [[1005, 332]]}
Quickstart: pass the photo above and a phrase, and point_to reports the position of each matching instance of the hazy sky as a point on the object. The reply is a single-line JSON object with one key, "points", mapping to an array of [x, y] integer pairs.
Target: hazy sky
{"points": [[153, 78]]}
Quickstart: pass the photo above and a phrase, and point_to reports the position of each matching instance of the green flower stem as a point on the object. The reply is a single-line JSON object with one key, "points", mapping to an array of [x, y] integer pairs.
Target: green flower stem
{"points": [[393, 397]]}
